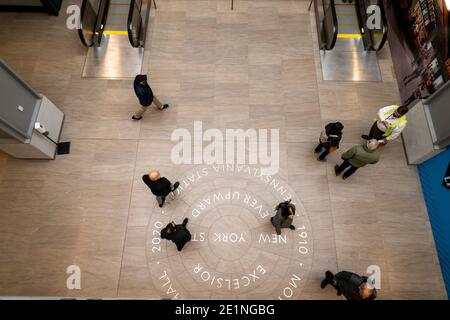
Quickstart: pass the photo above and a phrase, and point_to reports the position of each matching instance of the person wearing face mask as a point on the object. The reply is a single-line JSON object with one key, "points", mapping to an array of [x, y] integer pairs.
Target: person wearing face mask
{"points": [[350, 285], [357, 157], [284, 216], [177, 233], [389, 124]]}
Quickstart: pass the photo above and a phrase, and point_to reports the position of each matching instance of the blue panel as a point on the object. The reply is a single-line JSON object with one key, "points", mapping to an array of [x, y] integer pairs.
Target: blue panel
{"points": [[437, 198]]}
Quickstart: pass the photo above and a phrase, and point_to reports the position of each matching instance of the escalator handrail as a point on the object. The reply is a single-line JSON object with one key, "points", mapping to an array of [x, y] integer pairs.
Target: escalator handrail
{"points": [[80, 30], [335, 24], [385, 28], [129, 24], [323, 44]]}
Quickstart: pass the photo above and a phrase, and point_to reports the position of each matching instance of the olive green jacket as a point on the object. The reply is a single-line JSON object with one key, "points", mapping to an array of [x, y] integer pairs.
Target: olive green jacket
{"points": [[360, 155]]}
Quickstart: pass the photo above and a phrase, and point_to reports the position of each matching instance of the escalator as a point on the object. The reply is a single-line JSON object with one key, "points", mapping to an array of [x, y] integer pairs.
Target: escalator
{"points": [[101, 18], [114, 32], [338, 21], [350, 33], [374, 33]]}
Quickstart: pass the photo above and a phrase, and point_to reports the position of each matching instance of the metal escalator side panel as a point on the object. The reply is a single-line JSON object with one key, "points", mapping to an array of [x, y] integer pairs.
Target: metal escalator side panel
{"points": [[374, 39], [334, 30], [361, 14], [384, 31], [102, 20], [88, 21], [327, 23], [134, 25]]}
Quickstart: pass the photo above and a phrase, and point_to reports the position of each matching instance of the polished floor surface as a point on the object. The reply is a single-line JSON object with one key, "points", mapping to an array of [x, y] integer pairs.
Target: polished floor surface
{"points": [[255, 67]]}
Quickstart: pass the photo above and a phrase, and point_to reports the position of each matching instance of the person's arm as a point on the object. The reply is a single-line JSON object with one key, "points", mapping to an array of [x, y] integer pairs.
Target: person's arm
{"points": [[349, 153], [396, 132]]}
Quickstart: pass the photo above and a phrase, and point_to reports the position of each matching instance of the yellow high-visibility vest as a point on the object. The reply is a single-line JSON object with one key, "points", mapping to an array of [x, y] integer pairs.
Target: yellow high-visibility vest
{"points": [[398, 121]]}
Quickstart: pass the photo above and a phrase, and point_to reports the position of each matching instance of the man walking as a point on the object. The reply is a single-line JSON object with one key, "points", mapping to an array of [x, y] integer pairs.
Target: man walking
{"points": [[390, 122], [161, 187], [357, 157], [351, 285], [145, 96], [177, 233]]}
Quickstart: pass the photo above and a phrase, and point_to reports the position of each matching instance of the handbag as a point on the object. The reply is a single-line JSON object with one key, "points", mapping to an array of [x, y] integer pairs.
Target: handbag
{"points": [[323, 137]]}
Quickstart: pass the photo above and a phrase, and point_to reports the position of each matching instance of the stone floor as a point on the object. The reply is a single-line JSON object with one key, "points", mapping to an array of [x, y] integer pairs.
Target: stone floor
{"points": [[255, 67]]}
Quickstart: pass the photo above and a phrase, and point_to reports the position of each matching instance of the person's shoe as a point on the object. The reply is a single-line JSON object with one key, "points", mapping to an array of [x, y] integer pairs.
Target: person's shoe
{"points": [[336, 167], [291, 227], [185, 221], [321, 160], [344, 177], [161, 205], [175, 186], [365, 137], [165, 106], [136, 118]]}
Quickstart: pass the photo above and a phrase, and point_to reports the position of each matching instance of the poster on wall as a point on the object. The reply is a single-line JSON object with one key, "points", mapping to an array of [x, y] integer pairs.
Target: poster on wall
{"points": [[419, 42]]}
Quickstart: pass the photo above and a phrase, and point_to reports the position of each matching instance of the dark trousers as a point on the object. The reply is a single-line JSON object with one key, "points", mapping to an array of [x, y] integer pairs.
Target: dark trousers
{"points": [[344, 166], [376, 133], [320, 147], [331, 280]]}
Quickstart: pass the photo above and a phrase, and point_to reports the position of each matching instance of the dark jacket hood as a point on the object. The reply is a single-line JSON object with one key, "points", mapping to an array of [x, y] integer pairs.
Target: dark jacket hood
{"points": [[141, 77]]}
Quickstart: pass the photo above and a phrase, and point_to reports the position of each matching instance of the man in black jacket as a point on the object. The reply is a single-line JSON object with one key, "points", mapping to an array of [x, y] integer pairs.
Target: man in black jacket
{"points": [[145, 96], [161, 187], [177, 233], [349, 284]]}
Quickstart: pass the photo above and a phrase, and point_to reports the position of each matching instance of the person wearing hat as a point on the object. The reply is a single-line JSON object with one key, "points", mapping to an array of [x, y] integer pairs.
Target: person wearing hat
{"points": [[161, 187], [350, 285], [177, 233], [145, 96], [358, 157]]}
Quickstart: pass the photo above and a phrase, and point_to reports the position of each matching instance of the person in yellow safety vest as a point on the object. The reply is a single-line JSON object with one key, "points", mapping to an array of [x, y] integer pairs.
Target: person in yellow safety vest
{"points": [[390, 122]]}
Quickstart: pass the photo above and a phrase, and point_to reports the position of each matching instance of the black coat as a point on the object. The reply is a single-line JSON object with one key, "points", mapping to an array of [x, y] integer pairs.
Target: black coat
{"points": [[348, 284], [160, 188], [334, 136], [143, 91], [180, 237]]}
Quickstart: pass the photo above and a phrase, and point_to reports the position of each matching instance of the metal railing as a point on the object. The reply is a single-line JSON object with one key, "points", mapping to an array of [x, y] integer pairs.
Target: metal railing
{"points": [[327, 23], [373, 38], [92, 21]]}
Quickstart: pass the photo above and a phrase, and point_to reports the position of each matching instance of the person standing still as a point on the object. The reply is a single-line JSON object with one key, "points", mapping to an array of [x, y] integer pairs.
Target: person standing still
{"points": [[329, 140], [145, 96], [284, 216], [177, 233], [357, 157], [351, 285], [161, 187], [388, 125]]}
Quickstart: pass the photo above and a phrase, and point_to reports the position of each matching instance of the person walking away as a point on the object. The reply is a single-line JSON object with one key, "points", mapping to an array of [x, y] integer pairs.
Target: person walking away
{"points": [[329, 140], [357, 157], [351, 285], [284, 216], [161, 187], [177, 233], [389, 124], [145, 96]]}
